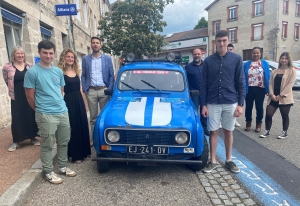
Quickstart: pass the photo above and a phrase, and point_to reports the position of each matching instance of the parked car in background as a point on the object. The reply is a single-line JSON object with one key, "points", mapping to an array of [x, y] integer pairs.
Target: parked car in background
{"points": [[297, 67], [150, 118]]}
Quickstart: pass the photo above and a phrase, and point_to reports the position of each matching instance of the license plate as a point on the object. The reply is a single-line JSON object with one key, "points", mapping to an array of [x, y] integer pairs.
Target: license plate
{"points": [[147, 150]]}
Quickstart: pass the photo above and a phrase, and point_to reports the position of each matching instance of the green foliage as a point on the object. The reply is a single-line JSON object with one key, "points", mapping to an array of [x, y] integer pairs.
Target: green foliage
{"points": [[132, 26], [202, 23]]}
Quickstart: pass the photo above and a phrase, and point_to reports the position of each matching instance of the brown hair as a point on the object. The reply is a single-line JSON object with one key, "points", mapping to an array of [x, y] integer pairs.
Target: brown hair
{"points": [[62, 62], [288, 56]]}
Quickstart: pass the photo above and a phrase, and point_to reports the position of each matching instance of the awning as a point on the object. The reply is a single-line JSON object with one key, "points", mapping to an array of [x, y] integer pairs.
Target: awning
{"points": [[11, 16], [45, 31]]}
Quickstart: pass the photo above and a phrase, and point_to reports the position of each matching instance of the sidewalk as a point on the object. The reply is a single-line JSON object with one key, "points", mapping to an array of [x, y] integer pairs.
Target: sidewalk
{"points": [[14, 164], [21, 169]]}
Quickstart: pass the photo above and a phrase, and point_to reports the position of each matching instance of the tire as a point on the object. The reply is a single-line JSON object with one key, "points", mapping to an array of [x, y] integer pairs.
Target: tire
{"points": [[203, 157], [102, 166]]}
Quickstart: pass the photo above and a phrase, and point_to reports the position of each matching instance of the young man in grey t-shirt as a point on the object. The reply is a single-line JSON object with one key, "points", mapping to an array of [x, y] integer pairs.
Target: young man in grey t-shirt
{"points": [[44, 85]]}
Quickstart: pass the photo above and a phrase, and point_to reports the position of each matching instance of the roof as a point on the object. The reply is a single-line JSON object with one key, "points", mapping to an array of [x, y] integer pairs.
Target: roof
{"points": [[185, 35], [210, 5]]}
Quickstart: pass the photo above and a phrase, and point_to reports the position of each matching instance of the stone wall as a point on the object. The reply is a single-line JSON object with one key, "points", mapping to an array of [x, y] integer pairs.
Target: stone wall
{"points": [[40, 13]]}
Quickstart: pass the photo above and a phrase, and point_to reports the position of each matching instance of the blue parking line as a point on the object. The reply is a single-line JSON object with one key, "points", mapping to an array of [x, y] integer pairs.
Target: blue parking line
{"points": [[265, 189]]}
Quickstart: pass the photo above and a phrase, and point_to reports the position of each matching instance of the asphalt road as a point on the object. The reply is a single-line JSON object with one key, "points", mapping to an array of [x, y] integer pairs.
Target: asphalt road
{"points": [[123, 185], [168, 184]]}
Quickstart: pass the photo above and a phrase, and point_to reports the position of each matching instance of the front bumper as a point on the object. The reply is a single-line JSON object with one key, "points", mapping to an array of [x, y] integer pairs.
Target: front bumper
{"points": [[138, 158], [112, 159]]}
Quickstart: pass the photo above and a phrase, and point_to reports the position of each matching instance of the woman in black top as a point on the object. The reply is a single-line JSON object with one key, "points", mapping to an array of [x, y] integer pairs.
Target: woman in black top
{"points": [[281, 94]]}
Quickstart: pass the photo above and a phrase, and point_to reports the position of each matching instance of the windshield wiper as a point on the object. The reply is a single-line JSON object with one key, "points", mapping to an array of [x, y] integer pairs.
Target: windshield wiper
{"points": [[150, 85], [127, 85]]}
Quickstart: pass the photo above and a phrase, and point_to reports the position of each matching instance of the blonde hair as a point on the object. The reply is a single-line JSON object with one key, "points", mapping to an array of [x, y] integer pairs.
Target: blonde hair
{"points": [[62, 62], [13, 51], [289, 57]]}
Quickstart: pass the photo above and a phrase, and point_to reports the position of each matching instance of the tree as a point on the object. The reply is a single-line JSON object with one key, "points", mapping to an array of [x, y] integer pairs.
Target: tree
{"points": [[132, 26], [202, 23]]}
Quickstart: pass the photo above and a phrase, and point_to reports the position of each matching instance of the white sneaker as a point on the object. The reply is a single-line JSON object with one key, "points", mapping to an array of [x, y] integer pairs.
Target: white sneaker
{"points": [[13, 147], [220, 125], [53, 178], [283, 135], [68, 172], [237, 124], [35, 142]]}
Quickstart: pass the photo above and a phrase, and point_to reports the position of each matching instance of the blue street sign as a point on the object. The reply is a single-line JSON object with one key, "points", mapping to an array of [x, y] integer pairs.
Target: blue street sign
{"points": [[36, 59], [65, 9]]}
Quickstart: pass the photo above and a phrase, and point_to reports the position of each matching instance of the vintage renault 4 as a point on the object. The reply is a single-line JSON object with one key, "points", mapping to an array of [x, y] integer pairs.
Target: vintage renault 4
{"points": [[150, 118]]}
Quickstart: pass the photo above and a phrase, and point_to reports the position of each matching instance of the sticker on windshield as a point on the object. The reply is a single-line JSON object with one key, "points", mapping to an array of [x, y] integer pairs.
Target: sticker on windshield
{"points": [[150, 72]]}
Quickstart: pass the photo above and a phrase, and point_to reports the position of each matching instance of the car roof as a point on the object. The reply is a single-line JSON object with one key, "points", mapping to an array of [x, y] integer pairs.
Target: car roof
{"points": [[148, 65]]}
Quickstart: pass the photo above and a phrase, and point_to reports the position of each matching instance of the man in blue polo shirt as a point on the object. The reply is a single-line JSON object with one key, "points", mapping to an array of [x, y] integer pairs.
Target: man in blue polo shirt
{"points": [[222, 94], [193, 71]]}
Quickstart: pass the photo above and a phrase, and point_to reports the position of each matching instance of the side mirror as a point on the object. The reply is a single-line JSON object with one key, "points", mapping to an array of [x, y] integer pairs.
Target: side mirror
{"points": [[194, 92], [108, 92]]}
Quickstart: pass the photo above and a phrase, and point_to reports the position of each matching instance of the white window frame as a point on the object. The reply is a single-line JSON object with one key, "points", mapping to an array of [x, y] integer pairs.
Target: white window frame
{"points": [[258, 8], [232, 35], [260, 35], [232, 13], [78, 16], [216, 26], [85, 15], [16, 31]]}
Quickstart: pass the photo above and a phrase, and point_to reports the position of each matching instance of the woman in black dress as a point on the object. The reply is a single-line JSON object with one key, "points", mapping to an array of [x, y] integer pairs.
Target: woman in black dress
{"points": [[79, 145], [23, 125]]}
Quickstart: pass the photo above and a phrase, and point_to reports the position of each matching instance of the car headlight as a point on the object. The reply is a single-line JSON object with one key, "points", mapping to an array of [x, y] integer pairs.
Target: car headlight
{"points": [[181, 138], [113, 136]]}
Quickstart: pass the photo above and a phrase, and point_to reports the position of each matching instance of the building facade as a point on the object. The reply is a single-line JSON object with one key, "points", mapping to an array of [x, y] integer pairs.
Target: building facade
{"points": [[272, 25], [26, 22], [183, 44]]}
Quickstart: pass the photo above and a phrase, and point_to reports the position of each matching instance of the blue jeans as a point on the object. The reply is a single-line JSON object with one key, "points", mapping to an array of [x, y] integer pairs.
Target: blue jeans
{"points": [[203, 120]]}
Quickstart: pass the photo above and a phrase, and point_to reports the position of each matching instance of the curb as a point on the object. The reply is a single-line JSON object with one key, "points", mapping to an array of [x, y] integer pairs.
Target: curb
{"points": [[16, 194]]}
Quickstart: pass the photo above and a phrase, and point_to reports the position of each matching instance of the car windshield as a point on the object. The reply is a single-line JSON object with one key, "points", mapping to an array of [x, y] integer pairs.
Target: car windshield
{"points": [[157, 80]]}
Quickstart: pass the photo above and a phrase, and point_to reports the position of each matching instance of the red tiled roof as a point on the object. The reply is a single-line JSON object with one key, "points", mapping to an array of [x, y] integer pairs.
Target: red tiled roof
{"points": [[185, 35], [212, 3]]}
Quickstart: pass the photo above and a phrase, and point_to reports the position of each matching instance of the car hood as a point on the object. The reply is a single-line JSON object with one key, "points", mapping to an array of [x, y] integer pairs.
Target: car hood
{"points": [[149, 112]]}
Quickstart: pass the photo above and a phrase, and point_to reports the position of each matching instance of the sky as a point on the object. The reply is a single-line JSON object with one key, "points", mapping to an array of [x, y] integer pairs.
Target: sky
{"points": [[183, 15]]}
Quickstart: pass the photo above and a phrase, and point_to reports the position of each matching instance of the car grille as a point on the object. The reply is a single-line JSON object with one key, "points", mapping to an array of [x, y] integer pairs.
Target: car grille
{"points": [[147, 137]]}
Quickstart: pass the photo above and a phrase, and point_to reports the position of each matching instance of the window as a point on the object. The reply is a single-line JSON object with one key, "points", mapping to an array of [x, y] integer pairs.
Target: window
{"points": [[216, 26], [284, 29], [232, 13], [85, 14], [285, 6], [78, 16], [46, 33], [257, 32], [12, 25], [257, 8], [298, 8], [95, 25], [232, 35], [296, 32]]}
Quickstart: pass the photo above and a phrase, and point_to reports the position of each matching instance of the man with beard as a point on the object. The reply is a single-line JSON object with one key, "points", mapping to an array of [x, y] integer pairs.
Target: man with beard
{"points": [[97, 75], [193, 71]]}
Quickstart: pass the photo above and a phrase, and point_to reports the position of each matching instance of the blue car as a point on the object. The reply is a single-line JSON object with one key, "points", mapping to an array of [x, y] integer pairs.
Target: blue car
{"points": [[150, 118]]}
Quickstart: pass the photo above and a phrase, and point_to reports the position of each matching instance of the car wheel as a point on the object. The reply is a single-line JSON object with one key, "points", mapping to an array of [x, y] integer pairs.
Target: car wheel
{"points": [[102, 166], [203, 157]]}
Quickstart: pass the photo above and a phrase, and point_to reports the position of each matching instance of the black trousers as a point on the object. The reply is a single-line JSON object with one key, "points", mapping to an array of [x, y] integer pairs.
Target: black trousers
{"points": [[257, 95]]}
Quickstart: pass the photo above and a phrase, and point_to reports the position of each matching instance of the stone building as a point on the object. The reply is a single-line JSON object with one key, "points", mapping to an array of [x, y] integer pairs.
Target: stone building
{"points": [[26, 22], [272, 25]]}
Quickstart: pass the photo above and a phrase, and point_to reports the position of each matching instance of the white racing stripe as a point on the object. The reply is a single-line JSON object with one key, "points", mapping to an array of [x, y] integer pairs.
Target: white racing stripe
{"points": [[135, 112], [162, 113]]}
